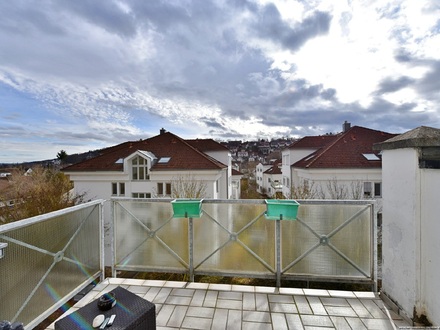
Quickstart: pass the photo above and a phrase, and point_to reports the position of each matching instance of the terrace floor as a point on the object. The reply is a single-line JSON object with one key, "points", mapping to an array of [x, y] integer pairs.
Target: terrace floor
{"points": [[186, 305]]}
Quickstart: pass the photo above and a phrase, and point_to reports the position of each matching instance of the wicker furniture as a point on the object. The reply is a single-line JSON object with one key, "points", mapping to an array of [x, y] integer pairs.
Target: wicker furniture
{"points": [[132, 313]]}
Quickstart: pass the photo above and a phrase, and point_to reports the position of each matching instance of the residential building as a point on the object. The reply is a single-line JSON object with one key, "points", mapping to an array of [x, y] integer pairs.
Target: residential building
{"points": [[269, 179], [147, 168], [341, 166]]}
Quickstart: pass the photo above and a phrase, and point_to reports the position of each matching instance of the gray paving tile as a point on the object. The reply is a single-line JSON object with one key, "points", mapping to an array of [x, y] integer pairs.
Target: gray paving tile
{"points": [[198, 298], [196, 323], [234, 319], [162, 296], [340, 323], [378, 324], [294, 321], [342, 302], [355, 323], [152, 293], [254, 316], [230, 295], [282, 308], [316, 306], [164, 315], [256, 326], [302, 304], [316, 320], [177, 300], [340, 311], [280, 298], [210, 299], [183, 292], [279, 321], [359, 308], [249, 301], [230, 304], [220, 319], [177, 316], [261, 302], [205, 312], [374, 309]]}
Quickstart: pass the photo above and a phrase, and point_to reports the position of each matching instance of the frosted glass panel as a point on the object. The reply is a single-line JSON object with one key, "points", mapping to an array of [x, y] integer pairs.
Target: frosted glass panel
{"points": [[234, 237], [45, 261]]}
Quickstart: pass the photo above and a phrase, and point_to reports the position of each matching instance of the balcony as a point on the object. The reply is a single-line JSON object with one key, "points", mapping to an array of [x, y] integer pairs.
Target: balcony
{"points": [[51, 258]]}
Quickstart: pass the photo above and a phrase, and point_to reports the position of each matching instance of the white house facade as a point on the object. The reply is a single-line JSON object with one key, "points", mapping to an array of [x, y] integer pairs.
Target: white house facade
{"points": [[148, 168], [341, 166]]}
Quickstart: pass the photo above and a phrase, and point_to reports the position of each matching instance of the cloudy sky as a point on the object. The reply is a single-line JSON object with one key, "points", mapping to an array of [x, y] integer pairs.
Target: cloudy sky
{"points": [[86, 74]]}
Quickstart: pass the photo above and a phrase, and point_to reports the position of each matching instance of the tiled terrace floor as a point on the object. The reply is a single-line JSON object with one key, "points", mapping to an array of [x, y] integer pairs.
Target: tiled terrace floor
{"points": [[182, 305]]}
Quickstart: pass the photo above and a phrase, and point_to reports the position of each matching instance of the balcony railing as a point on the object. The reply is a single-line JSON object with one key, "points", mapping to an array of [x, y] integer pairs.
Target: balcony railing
{"points": [[329, 241], [49, 259]]}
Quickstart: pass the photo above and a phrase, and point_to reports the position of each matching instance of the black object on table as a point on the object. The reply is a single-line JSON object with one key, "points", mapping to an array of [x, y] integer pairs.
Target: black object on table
{"points": [[132, 313]]}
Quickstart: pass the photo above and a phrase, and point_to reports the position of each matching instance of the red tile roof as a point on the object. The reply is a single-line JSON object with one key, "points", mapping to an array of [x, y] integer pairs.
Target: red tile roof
{"points": [[346, 150], [275, 169], [313, 142], [183, 156]]}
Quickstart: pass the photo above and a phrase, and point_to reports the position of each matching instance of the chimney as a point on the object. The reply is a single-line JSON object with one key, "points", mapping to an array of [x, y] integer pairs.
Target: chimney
{"points": [[162, 131], [346, 126]]}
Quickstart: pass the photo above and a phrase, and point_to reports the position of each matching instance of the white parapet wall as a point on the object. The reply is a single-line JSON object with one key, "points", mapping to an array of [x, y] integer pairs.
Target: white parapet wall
{"points": [[411, 223]]}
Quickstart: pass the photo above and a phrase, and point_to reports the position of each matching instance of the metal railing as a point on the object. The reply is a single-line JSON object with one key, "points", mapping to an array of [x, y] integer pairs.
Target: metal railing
{"points": [[49, 259], [329, 241]]}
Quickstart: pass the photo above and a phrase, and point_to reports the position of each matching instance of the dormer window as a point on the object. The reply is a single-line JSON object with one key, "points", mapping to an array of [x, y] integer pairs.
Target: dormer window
{"points": [[139, 168]]}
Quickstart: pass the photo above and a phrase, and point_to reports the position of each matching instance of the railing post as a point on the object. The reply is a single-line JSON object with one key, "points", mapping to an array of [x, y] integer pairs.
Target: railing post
{"points": [[191, 249], [278, 251]]}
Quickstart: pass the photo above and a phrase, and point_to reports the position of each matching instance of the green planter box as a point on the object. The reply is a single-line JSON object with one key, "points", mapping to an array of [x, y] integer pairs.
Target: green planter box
{"points": [[187, 208], [281, 209]]}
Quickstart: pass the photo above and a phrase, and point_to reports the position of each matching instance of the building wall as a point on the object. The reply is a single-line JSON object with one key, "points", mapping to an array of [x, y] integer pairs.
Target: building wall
{"points": [[400, 227], [290, 157], [430, 244]]}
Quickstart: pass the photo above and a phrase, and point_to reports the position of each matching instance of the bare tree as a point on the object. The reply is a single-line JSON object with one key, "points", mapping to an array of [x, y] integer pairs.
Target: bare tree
{"points": [[188, 187], [356, 189], [305, 190], [336, 190]]}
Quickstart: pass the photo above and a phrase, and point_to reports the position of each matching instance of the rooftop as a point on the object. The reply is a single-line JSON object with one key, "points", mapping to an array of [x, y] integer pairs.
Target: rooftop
{"points": [[182, 154], [345, 150]]}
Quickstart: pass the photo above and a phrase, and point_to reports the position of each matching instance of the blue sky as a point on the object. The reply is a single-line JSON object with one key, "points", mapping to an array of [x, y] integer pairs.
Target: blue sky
{"points": [[81, 75]]}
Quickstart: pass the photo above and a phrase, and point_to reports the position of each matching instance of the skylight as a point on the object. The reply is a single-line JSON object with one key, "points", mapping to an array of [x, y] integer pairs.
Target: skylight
{"points": [[164, 160], [120, 161], [371, 157]]}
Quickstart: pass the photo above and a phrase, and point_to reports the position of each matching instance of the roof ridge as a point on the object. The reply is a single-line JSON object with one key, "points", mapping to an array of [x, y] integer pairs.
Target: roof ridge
{"points": [[211, 159], [326, 147]]}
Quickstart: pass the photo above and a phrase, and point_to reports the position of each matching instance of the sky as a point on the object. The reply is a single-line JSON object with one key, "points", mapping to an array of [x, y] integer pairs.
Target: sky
{"points": [[86, 74]]}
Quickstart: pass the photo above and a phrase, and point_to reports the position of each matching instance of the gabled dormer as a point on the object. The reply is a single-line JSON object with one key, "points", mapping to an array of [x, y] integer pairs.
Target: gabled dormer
{"points": [[138, 165]]}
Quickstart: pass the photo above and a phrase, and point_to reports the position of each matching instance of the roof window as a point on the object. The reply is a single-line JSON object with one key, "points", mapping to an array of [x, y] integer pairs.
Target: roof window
{"points": [[164, 160], [371, 156]]}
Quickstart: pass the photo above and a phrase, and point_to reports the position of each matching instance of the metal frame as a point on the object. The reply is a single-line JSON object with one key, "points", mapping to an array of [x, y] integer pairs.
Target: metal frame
{"points": [[57, 257], [278, 273]]}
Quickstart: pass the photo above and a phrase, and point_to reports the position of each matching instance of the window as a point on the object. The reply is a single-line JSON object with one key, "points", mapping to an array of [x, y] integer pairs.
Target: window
{"points": [[141, 195], [161, 191], [139, 168], [377, 189], [118, 189], [367, 189]]}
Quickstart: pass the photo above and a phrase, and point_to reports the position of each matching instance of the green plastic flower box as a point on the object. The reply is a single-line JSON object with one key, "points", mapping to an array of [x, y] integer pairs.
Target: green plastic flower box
{"points": [[187, 208], [281, 209]]}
